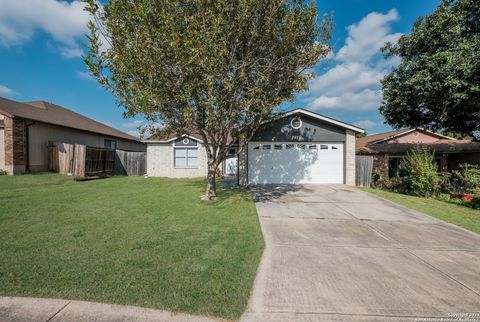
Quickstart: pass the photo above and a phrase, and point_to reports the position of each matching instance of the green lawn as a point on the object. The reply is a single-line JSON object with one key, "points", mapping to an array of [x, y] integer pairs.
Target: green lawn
{"points": [[128, 240], [459, 215]]}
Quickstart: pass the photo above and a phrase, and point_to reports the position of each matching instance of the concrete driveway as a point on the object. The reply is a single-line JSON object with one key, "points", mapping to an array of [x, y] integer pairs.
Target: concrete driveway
{"points": [[334, 253]]}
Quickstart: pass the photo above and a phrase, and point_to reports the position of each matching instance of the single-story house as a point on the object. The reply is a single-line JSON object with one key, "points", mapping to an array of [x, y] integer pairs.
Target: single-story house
{"points": [[27, 128], [389, 148], [300, 147]]}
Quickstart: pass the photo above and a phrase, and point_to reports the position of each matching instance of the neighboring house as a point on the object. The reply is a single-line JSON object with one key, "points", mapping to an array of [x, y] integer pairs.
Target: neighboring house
{"points": [[27, 128], [389, 148], [301, 147]]}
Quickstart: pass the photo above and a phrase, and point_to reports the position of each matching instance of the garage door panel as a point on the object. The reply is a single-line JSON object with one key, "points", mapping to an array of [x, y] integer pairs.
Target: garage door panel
{"points": [[288, 162]]}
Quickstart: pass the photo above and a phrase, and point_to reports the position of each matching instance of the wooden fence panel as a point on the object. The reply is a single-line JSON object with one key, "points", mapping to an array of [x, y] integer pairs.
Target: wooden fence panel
{"points": [[99, 161], [87, 162], [79, 161], [61, 157], [129, 163], [363, 170]]}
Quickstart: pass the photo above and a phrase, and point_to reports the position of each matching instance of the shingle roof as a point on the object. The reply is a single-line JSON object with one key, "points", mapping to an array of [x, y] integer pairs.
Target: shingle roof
{"points": [[363, 142], [57, 115]]}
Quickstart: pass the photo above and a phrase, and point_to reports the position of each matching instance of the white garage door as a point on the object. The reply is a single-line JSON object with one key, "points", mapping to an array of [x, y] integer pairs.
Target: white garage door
{"points": [[289, 162]]}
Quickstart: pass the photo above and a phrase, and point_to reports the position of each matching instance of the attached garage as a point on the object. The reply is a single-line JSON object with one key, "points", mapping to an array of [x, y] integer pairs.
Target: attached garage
{"points": [[289, 162], [302, 147]]}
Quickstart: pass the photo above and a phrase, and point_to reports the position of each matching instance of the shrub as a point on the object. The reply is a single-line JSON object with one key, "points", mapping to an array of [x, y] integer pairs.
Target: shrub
{"points": [[3, 172], [475, 202], [466, 179], [395, 184], [422, 176]]}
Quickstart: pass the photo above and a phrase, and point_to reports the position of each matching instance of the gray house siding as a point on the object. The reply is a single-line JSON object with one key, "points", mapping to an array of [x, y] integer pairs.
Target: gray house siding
{"points": [[311, 131]]}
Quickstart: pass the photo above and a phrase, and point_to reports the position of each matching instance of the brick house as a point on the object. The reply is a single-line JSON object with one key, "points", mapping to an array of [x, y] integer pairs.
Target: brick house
{"points": [[27, 128], [389, 148]]}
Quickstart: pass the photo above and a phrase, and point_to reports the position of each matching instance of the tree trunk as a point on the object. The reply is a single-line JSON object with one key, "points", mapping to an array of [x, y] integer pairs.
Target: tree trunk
{"points": [[211, 193]]}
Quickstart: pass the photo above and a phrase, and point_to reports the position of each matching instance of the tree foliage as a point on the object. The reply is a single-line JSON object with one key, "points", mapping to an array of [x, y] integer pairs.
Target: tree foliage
{"points": [[437, 84], [220, 67]]}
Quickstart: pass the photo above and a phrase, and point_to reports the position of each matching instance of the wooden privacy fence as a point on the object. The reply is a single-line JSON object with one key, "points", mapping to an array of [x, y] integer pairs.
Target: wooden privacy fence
{"points": [[363, 170], [129, 163], [86, 162]]}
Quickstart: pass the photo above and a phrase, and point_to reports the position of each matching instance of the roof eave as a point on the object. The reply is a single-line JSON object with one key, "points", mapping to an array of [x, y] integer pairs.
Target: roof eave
{"points": [[326, 119]]}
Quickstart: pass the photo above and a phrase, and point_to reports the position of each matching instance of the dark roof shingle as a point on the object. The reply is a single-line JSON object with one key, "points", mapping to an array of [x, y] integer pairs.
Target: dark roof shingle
{"points": [[57, 115]]}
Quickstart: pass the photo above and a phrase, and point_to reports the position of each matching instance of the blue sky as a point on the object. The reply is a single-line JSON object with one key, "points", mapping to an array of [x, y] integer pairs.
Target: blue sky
{"points": [[41, 43]]}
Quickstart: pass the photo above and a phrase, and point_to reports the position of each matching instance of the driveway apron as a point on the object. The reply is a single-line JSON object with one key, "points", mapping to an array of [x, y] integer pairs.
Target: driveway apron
{"points": [[335, 253]]}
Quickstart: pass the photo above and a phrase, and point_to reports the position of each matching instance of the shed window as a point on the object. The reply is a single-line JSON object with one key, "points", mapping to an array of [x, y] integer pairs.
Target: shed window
{"points": [[110, 144], [323, 147], [266, 147], [301, 146], [312, 146], [277, 146], [186, 157], [289, 146]]}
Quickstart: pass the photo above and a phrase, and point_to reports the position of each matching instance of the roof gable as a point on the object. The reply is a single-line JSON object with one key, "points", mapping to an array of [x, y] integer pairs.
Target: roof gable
{"points": [[326, 119]]}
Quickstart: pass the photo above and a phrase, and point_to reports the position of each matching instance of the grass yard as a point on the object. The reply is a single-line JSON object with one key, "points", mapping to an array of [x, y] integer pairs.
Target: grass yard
{"points": [[459, 215], [128, 240]]}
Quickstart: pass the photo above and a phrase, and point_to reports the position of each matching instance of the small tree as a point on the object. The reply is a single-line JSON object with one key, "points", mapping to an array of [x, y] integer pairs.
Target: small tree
{"points": [[220, 66], [422, 175]]}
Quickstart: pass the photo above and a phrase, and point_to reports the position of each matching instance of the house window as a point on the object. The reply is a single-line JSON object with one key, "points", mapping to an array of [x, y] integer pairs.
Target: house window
{"points": [[277, 146], [312, 146], [186, 157], [266, 147], [289, 146], [323, 147], [110, 144], [394, 167]]}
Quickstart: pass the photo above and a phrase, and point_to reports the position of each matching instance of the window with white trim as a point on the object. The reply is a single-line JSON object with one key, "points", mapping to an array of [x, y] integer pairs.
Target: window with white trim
{"points": [[186, 157]]}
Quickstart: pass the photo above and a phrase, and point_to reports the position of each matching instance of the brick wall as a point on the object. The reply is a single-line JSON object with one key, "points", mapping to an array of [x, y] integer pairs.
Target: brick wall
{"points": [[380, 165], [15, 145], [160, 162], [350, 158]]}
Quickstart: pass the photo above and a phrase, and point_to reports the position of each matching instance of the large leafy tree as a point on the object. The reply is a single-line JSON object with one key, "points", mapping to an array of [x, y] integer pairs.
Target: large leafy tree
{"points": [[219, 66], [437, 84]]}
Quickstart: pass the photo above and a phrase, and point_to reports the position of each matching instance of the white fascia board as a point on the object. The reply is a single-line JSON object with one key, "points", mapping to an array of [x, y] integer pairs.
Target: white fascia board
{"points": [[326, 119], [173, 139]]}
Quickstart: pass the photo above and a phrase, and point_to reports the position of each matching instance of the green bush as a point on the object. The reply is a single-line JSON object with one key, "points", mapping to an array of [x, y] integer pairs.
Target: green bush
{"points": [[466, 179], [422, 176], [3, 172]]}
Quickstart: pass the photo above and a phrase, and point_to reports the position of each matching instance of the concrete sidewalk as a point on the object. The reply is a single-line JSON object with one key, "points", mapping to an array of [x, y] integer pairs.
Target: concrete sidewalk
{"points": [[24, 309]]}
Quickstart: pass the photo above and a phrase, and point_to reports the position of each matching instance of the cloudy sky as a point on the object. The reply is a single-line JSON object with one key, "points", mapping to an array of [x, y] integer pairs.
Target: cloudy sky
{"points": [[42, 41]]}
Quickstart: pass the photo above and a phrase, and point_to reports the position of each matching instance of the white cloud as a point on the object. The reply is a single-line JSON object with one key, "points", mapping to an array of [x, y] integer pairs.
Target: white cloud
{"points": [[354, 83], [346, 77], [366, 99], [134, 123], [365, 124], [367, 37], [71, 52], [85, 75], [4, 90], [64, 21]]}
